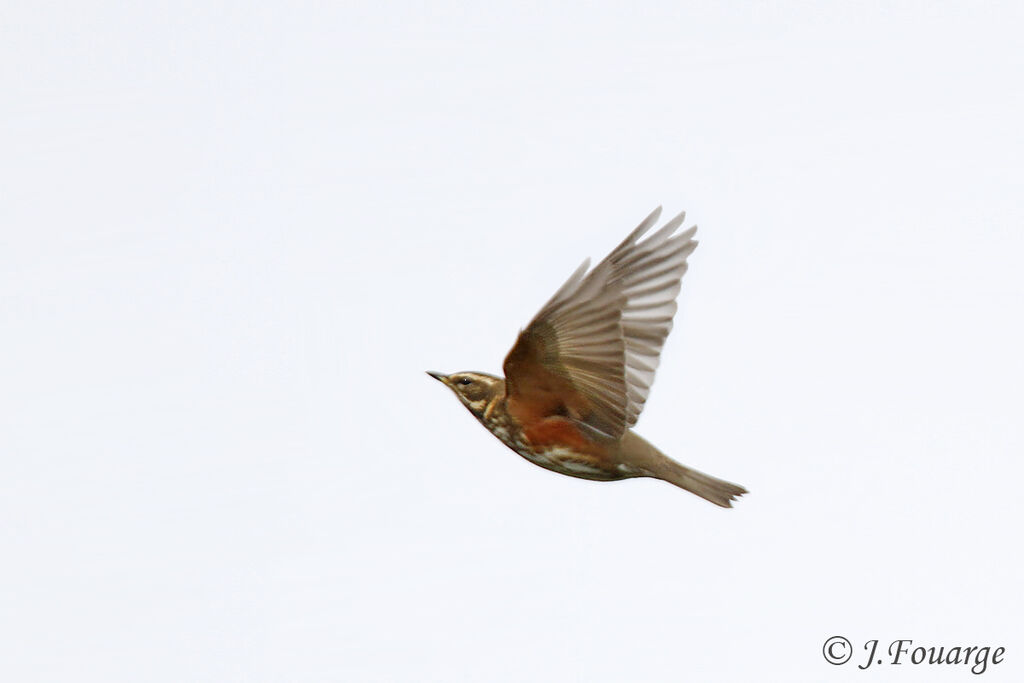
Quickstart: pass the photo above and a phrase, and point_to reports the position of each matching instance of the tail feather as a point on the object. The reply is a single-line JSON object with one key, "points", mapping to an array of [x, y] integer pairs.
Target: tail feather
{"points": [[718, 491], [651, 462]]}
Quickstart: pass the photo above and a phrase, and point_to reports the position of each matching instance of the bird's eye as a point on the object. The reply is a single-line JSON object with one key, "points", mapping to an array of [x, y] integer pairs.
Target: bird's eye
{"points": [[465, 380]]}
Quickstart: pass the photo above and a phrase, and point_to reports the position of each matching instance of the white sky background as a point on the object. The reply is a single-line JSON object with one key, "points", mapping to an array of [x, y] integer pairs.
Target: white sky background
{"points": [[233, 238]]}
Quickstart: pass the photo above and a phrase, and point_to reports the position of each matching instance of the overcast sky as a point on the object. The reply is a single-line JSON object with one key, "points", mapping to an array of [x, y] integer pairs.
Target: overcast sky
{"points": [[233, 238]]}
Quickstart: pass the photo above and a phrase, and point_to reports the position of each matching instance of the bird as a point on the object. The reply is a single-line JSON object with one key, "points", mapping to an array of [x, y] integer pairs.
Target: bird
{"points": [[580, 372]]}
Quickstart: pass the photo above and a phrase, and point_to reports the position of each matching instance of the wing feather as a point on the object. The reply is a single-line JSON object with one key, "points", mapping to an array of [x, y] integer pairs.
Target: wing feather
{"points": [[592, 351]]}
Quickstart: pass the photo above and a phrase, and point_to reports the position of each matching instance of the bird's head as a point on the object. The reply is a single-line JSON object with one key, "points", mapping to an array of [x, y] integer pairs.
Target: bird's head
{"points": [[474, 389]]}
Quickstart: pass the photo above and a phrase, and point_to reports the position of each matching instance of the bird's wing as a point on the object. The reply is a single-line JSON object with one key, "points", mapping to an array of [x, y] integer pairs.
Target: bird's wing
{"points": [[650, 272], [592, 350]]}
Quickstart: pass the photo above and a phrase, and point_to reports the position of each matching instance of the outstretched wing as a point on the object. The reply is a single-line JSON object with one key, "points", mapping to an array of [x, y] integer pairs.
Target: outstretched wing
{"points": [[592, 350], [650, 272]]}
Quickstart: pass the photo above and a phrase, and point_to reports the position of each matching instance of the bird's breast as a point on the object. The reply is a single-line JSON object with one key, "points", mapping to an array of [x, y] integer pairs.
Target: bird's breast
{"points": [[556, 444], [572, 463]]}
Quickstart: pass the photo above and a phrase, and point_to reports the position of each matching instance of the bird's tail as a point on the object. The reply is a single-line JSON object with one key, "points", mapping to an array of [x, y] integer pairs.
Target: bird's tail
{"points": [[653, 463]]}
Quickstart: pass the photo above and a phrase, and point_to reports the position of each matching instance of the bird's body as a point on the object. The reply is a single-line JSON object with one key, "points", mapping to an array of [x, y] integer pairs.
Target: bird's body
{"points": [[579, 374]]}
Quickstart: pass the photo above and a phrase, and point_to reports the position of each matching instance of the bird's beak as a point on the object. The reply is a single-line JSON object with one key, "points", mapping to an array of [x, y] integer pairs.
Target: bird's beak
{"points": [[438, 376]]}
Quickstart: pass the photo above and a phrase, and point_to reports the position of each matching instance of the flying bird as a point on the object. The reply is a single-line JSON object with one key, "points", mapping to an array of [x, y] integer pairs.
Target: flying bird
{"points": [[578, 376]]}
